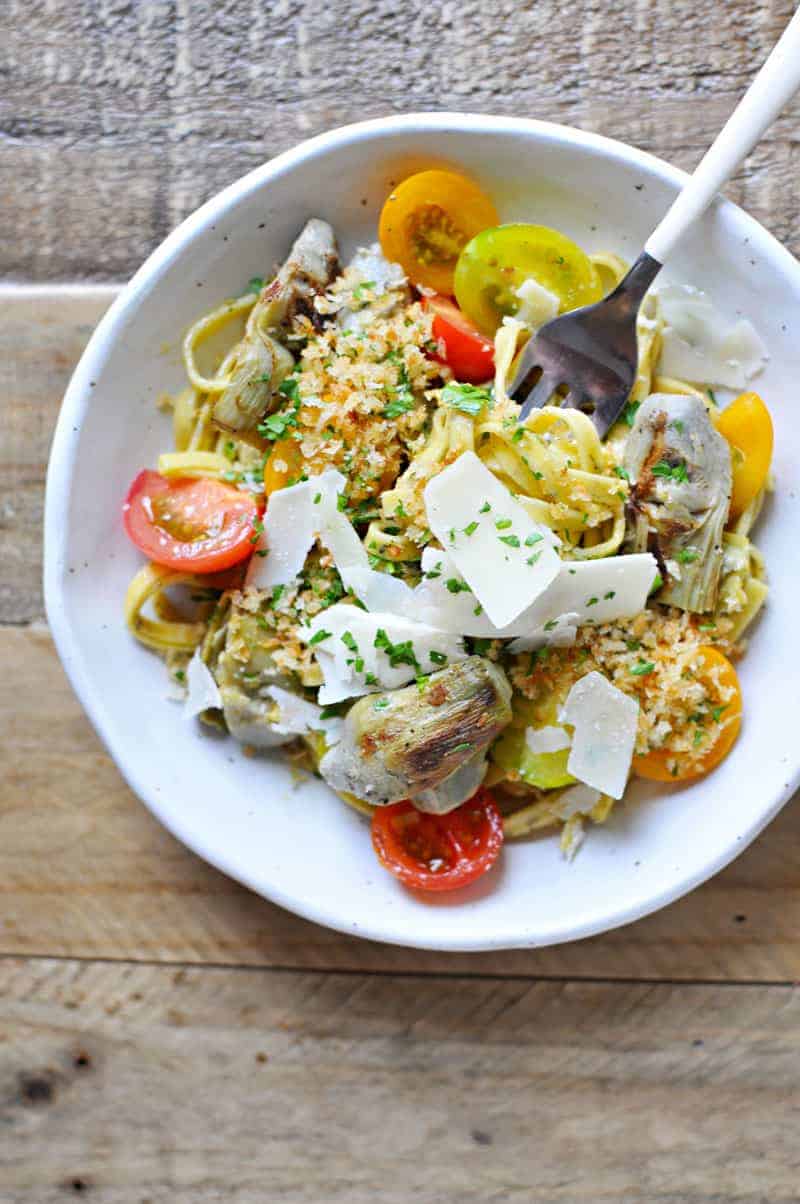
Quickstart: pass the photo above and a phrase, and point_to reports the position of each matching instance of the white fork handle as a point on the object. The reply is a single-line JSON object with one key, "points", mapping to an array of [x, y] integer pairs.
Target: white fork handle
{"points": [[775, 84]]}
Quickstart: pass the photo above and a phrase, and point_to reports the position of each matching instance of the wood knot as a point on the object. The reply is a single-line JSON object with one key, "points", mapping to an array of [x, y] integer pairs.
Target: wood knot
{"points": [[36, 1089]]}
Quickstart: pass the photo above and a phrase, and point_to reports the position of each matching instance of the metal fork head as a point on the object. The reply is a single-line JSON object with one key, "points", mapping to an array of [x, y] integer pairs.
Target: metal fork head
{"points": [[592, 352]]}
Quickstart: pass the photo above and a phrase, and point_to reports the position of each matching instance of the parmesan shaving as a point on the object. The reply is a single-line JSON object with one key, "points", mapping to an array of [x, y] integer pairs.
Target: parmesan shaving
{"points": [[538, 307], [504, 556], [546, 739], [202, 692], [699, 345], [604, 721], [360, 652]]}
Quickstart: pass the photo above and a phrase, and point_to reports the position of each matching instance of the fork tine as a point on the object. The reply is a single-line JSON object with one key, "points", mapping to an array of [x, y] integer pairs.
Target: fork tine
{"points": [[539, 396]]}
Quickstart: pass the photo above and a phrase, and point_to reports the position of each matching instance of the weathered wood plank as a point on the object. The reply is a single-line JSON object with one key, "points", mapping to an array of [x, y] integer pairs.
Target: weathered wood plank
{"points": [[146, 1084], [42, 335], [85, 870], [141, 111]]}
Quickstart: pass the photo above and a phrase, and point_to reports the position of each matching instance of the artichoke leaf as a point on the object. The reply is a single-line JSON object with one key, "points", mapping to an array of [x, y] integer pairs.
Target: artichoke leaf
{"points": [[679, 467]]}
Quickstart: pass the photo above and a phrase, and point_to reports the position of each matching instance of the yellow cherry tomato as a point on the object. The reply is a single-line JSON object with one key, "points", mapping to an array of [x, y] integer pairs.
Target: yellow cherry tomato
{"points": [[426, 221], [285, 462], [747, 426], [547, 770], [723, 686], [496, 262]]}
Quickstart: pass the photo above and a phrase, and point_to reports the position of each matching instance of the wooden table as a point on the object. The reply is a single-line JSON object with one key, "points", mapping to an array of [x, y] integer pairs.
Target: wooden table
{"points": [[164, 1034]]}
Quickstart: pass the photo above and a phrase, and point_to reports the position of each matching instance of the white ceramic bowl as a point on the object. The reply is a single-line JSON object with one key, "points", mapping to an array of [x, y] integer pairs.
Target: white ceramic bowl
{"points": [[301, 847]]}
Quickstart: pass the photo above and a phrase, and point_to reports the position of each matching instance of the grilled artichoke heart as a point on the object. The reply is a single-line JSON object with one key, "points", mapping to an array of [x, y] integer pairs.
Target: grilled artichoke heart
{"points": [[680, 472], [261, 362], [423, 742], [244, 671]]}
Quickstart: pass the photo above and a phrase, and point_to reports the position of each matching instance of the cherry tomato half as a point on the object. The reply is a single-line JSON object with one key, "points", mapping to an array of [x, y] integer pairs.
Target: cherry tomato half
{"points": [[661, 765], [496, 262], [200, 524], [466, 350], [747, 426], [438, 852], [426, 221]]}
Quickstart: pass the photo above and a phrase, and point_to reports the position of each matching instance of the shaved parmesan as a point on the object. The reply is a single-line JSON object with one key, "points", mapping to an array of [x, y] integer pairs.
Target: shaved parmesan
{"points": [[585, 591], [699, 345], [505, 557], [359, 652], [546, 739], [592, 591], [538, 306], [381, 591], [296, 716], [289, 530], [605, 723], [202, 692], [577, 800], [295, 516]]}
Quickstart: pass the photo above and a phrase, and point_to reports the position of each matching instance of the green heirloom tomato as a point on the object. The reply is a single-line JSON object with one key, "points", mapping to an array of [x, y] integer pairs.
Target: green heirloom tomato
{"points": [[494, 264]]}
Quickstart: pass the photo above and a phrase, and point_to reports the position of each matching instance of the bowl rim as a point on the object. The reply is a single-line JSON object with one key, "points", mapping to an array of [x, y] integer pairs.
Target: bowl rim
{"points": [[63, 453]]}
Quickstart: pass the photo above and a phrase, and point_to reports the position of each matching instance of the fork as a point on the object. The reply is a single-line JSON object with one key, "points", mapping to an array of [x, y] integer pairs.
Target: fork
{"points": [[592, 352]]}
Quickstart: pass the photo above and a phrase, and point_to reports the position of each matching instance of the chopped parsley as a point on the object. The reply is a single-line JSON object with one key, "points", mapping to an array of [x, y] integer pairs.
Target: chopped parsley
{"points": [[371, 679], [180, 675], [398, 654], [469, 399], [511, 540], [360, 289], [534, 559], [435, 572], [463, 747], [485, 508], [592, 601], [471, 528], [317, 498], [319, 637], [629, 413], [349, 641], [380, 704], [622, 472], [437, 658], [481, 645], [229, 449], [687, 555], [532, 539], [633, 645], [277, 593], [255, 284], [551, 625], [679, 426], [716, 712], [401, 403], [502, 524], [456, 586], [670, 472], [611, 594], [642, 668]]}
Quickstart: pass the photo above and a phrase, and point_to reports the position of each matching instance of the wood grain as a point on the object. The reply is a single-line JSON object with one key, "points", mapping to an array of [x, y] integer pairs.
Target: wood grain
{"points": [[86, 872], [138, 112], [126, 1083]]}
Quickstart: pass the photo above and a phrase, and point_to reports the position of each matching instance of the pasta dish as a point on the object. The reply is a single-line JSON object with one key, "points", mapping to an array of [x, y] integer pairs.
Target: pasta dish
{"points": [[471, 628]]}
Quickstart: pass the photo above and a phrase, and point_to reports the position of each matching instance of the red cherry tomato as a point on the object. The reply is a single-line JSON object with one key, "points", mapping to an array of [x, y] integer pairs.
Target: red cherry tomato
{"points": [[201, 525], [438, 852], [469, 353]]}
